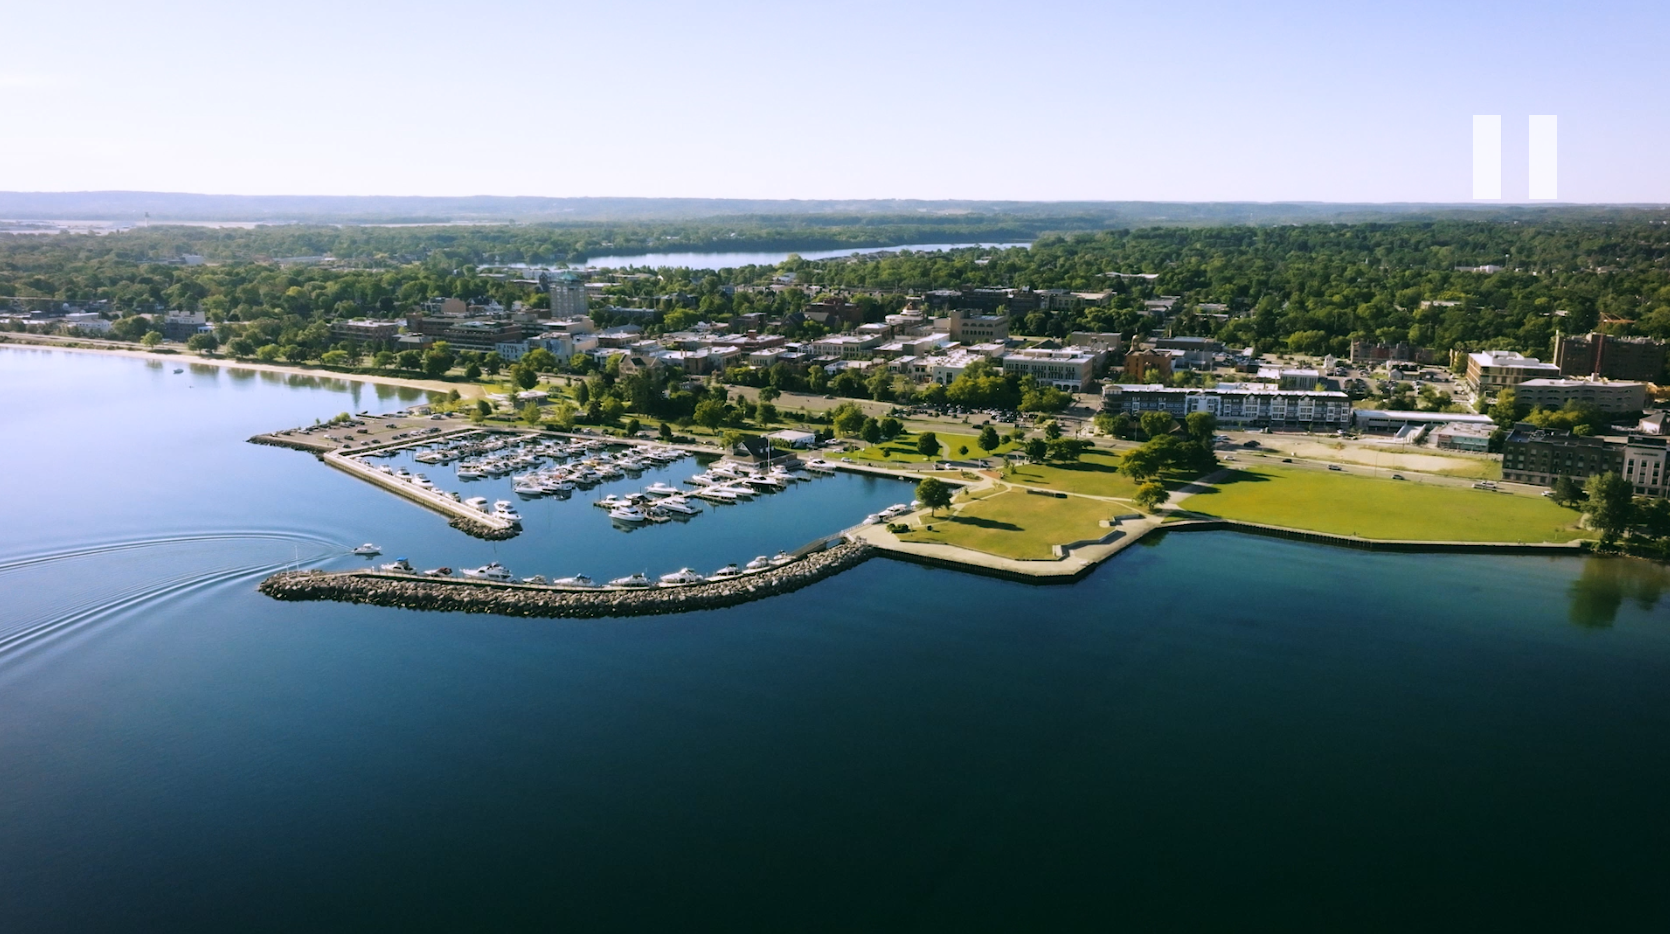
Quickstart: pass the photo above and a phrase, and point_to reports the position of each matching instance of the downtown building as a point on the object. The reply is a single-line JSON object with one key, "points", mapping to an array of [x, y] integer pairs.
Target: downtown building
{"points": [[1237, 405], [1628, 358], [1540, 456]]}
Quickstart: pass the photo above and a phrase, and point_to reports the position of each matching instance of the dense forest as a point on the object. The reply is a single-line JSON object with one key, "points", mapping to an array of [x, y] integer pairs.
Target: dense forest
{"points": [[1311, 288]]}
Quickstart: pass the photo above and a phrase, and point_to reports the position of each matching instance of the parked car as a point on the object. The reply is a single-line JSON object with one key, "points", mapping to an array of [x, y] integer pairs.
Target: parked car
{"points": [[1287, 460], [1398, 476], [1335, 467]]}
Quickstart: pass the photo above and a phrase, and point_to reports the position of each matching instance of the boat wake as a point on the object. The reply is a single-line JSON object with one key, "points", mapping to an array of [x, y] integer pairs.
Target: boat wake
{"points": [[53, 601]]}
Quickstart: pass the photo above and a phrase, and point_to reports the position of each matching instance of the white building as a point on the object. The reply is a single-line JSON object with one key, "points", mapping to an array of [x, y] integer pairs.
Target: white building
{"points": [[1603, 394], [1237, 404], [1071, 370], [1491, 371]]}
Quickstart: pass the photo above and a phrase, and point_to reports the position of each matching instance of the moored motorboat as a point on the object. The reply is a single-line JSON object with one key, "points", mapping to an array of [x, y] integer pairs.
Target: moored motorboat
{"points": [[631, 581], [679, 505], [629, 514], [578, 580], [728, 571], [758, 564], [493, 571], [398, 566], [368, 550], [682, 576], [781, 558]]}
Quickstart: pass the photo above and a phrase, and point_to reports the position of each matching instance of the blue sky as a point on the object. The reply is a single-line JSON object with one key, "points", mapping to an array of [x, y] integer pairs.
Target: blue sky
{"points": [[1037, 100]]}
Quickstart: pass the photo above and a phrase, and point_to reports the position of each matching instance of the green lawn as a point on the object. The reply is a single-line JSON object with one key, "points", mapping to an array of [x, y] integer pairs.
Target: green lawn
{"points": [[903, 449], [1095, 474], [1345, 504], [1014, 524]]}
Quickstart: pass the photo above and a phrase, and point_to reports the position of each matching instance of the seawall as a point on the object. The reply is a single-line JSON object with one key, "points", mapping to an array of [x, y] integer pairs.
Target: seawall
{"points": [[470, 596], [1373, 544]]}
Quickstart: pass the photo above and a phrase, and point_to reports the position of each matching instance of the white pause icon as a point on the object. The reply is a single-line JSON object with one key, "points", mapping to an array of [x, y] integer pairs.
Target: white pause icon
{"points": [[1544, 152]]}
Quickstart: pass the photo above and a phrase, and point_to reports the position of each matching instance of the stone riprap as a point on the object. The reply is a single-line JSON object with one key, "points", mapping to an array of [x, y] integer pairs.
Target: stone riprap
{"points": [[468, 596]]}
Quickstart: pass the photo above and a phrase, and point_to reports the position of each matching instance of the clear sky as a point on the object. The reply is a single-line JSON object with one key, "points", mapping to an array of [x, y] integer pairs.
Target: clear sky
{"points": [[1043, 99]]}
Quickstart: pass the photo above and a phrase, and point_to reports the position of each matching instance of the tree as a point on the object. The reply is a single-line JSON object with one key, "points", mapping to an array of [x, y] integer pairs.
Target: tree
{"points": [[483, 408], [988, 440], [530, 414], [582, 393], [151, 339], [410, 360], [524, 376], [1144, 463], [334, 357], [1067, 449], [962, 450], [1052, 430], [870, 431], [436, 363], [1037, 450], [241, 347], [1611, 503], [1201, 426], [540, 360], [473, 371], [927, 444], [765, 413], [1506, 411], [710, 414], [1150, 495], [770, 394], [633, 426], [891, 428], [1566, 491], [1155, 424], [1117, 424], [206, 341], [934, 493], [268, 353], [665, 432], [847, 418], [492, 364]]}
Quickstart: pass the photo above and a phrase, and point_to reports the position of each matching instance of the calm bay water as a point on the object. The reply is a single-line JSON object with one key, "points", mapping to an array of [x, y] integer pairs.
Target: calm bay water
{"points": [[1217, 731]]}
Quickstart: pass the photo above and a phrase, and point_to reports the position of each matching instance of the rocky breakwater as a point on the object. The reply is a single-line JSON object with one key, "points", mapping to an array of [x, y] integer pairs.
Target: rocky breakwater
{"points": [[484, 530], [466, 596]]}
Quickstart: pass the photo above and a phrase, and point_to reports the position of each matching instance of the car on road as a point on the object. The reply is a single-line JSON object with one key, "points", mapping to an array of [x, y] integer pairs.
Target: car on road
{"points": [[1335, 467], [1287, 460], [1398, 476]]}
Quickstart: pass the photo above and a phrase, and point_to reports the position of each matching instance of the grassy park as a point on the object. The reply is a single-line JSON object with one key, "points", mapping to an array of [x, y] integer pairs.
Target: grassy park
{"points": [[1345, 504], [1014, 524], [903, 449]]}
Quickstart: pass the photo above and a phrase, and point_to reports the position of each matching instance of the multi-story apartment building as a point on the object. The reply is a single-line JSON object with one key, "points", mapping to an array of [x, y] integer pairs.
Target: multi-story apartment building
{"points": [[481, 334], [1071, 369], [568, 295], [967, 328], [1542, 455], [1634, 358], [846, 346], [1144, 366], [365, 330], [1252, 405], [1603, 394], [1491, 371]]}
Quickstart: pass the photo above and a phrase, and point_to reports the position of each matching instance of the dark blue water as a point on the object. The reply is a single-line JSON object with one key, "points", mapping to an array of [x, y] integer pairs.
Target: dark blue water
{"points": [[1215, 732]]}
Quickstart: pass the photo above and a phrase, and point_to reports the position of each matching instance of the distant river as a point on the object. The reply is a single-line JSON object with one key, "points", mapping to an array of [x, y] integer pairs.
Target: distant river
{"points": [[733, 260], [1217, 731]]}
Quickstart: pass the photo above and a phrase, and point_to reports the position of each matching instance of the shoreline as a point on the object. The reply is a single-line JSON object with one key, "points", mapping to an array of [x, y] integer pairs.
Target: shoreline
{"points": [[83, 345]]}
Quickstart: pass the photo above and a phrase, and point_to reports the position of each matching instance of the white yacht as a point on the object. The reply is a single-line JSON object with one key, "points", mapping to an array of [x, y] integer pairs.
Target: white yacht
{"points": [[490, 572], [578, 580], [368, 550], [635, 580], [536, 579], [398, 566], [438, 572], [504, 510], [819, 465], [662, 489], [628, 514], [728, 571], [781, 558], [758, 564], [679, 505], [477, 502], [682, 576]]}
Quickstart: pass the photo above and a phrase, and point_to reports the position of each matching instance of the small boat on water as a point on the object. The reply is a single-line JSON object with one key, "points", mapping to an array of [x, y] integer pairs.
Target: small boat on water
{"points": [[493, 571], [781, 558], [682, 576], [678, 505], [578, 580], [536, 579], [178, 371], [368, 550], [632, 581], [629, 514], [477, 502], [758, 564], [438, 572], [725, 573], [398, 566], [662, 489]]}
